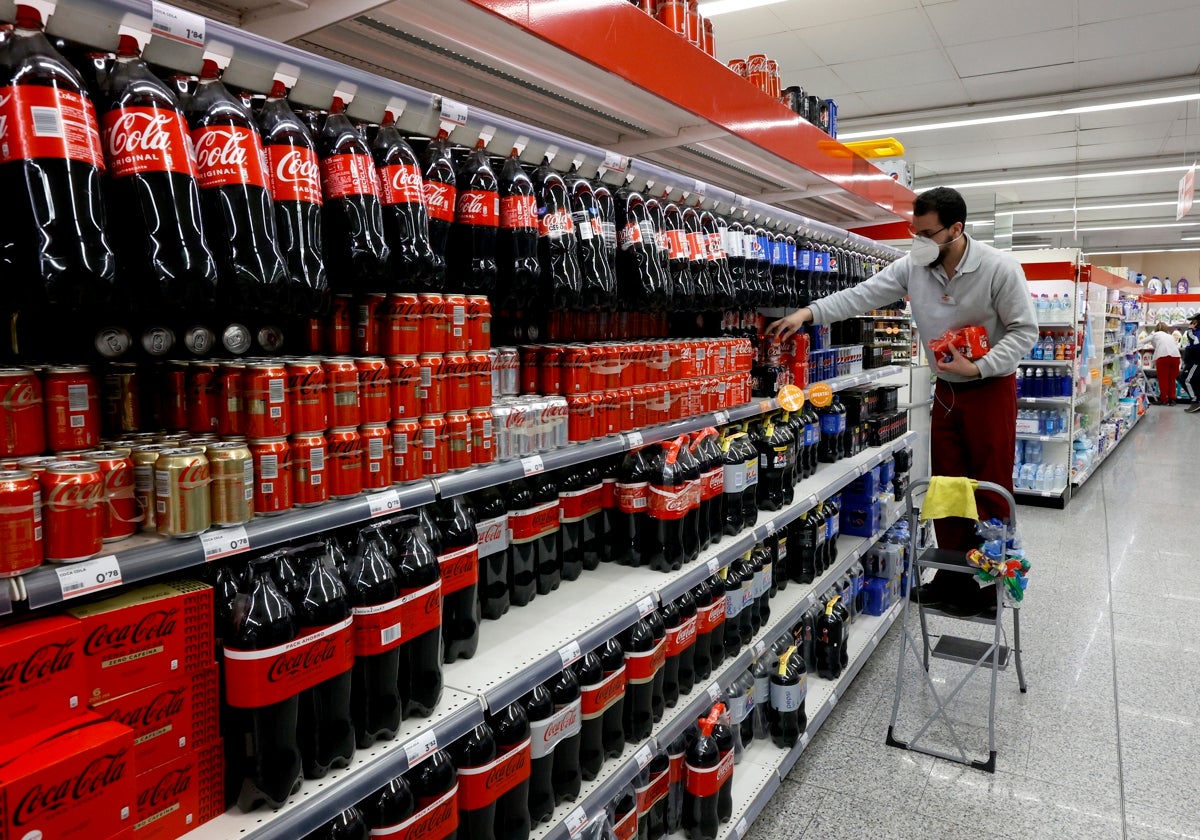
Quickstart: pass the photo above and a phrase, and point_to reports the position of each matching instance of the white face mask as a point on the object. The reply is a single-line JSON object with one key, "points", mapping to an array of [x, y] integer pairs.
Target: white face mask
{"points": [[926, 252]]}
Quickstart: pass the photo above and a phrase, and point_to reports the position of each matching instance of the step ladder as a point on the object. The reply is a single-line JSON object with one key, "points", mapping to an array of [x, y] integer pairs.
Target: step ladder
{"points": [[993, 656]]}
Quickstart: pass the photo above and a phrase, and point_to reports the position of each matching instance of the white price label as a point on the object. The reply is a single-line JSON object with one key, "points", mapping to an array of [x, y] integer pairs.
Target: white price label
{"points": [[89, 576], [176, 24], [721, 418], [421, 747], [224, 542], [569, 653], [381, 504], [833, 700], [700, 189], [575, 821], [714, 691], [615, 162], [741, 828], [647, 605], [760, 647], [453, 112], [770, 526], [643, 756], [633, 440], [714, 565], [808, 602], [532, 465]]}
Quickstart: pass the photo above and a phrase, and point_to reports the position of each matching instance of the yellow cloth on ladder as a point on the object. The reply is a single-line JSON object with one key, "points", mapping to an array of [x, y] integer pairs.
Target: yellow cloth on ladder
{"points": [[950, 496]]}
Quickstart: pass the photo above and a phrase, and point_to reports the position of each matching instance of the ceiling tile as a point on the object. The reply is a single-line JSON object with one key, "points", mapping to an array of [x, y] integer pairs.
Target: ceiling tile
{"points": [[999, 55], [1034, 132], [1130, 116], [1120, 150], [896, 100], [1145, 133], [917, 68], [973, 21], [1127, 69], [748, 24], [1142, 35], [818, 81], [785, 47], [1035, 81], [803, 14], [1100, 10], [894, 33]]}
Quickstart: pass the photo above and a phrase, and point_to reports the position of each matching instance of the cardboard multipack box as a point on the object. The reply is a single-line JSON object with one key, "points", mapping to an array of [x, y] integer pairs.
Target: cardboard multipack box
{"points": [[145, 636], [175, 797], [41, 673], [72, 780], [169, 718]]}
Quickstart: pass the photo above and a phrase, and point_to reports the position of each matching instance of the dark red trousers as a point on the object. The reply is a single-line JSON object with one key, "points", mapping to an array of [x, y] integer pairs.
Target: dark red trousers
{"points": [[973, 433], [1167, 369]]}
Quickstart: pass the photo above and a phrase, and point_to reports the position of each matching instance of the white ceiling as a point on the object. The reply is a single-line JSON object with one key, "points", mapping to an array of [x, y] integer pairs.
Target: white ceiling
{"points": [[895, 63]]}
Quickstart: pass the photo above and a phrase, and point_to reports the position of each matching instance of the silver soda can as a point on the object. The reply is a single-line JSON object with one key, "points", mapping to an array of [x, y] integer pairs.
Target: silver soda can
{"points": [[508, 363], [500, 431], [559, 414]]}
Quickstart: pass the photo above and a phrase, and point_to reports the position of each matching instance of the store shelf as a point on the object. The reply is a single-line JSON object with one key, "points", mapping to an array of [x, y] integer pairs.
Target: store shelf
{"points": [[1044, 400], [1041, 494], [1095, 465], [883, 317], [1047, 362], [1056, 325], [1045, 438]]}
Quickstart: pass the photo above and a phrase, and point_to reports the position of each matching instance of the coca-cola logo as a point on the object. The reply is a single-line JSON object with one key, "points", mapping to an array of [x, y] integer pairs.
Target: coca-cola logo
{"points": [[72, 494], [342, 447], [406, 178], [561, 724], [434, 824], [306, 381], [686, 634], [100, 773], [403, 307], [373, 375], [193, 476], [44, 662], [153, 626], [477, 206], [119, 477], [438, 196], [669, 500], [507, 770], [220, 148], [494, 531], [167, 790], [21, 394], [298, 166], [290, 664], [135, 132], [162, 707]]}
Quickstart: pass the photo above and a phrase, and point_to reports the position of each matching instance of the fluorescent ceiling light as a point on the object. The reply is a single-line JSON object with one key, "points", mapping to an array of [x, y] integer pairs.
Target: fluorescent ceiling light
{"points": [[1095, 228], [1045, 179], [723, 7], [1119, 250], [982, 223], [1050, 210], [1189, 239], [1027, 115]]}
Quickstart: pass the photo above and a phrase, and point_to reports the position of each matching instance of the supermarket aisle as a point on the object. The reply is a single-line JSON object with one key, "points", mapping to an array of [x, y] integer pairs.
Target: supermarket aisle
{"points": [[1104, 744]]}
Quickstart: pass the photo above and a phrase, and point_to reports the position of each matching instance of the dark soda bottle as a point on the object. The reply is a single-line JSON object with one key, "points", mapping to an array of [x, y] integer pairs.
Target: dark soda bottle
{"points": [[630, 527], [716, 621], [676, 752], [702, 785], [655, 213], [693, 520], [539, 706], [795, 430], [440, 186], [164, 260], [476, 810], [735, 251], [719, 277], [652, 786], [712, 486], [829, 647], [786, 718], [612, 658], [545, 523], [411, 260], [471, 251], [723, 737], [607, 210], [590, 672], [833, 528], [561, 287], [54, 248], [641, 649], [678, 259], [389, 806], [459, 564], [527, 522], [510, 727], [572, 499], [683, 645], [623, 814], [702, 658], [772, 464], [567, 775], [592, 515], [491, 524], [777, 545], [589, 243], [658, 697], [702, 291], [421, 587], [350, 824], [289, 581], [748, 619], [430, 781], [667, 506], [374, 592], [639, 277], [731, 584], [669, 613], [517, 267], [733, 481]]}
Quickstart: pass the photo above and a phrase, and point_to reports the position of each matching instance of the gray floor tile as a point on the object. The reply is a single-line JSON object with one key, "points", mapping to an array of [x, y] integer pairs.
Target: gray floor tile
{"points": [[844, 817], [788, 813], [875, 772], [1145, 823]]}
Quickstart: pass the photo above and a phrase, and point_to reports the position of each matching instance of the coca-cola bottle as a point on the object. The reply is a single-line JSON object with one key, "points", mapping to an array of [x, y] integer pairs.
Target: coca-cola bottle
{"points": [[287, 578], [510, 726], [718, 262], [430, 781], [658, 698], [459, 563], [164, 260], [612, 658], [676, 751], [652, 785], [235, 196], [266, 753], [731, 584], [606, 214], [294, 177], [679, 257], [491, 523], [374, 593], [470, 754], [698, 259], [471, 251], [356, 253], [589, 243], [561, 286], [350, 824], [539, 706], [702, 598], [630, 526], [623, 814], [639, 278], [441, 198], [655, 213], [724, 738], [549, 564], [667, 508], [701, 819], [572, 499], [420, 586], [527, 519], [53, 245], [683, 645], [693, 522], [590, 673], [707, 452], [734, 242], [593, 518], [607, 527], [640, 648], [669, 614], [402, 202], [717, 620], [389, 806], [567, 774], [517, 243]]}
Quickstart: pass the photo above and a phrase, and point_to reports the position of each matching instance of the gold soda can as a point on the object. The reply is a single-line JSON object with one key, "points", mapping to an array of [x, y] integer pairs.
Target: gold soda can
{"points": [[145, 456], [181, 492], [232, 490]]}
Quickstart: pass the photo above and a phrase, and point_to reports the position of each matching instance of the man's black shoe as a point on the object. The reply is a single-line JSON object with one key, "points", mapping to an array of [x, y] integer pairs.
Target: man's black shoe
{"points": [[928, 595]]}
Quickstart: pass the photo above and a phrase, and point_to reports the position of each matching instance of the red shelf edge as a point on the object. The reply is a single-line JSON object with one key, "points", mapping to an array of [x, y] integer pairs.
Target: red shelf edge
{"points": [[1049, 271]]}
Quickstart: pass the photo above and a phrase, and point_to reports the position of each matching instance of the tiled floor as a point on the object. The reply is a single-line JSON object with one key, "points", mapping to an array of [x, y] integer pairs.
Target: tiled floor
{"points": [[1106, 743]]}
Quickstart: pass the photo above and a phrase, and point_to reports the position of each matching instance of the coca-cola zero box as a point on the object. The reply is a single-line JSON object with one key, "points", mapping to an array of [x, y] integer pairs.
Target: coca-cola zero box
{"points": [[175, 797], [145, 636], [74, 779], [169, 718], [41, 673]]}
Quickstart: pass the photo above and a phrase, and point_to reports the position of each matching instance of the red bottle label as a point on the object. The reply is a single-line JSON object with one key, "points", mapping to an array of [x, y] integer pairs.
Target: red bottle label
{"points": [[626, 828], [653, 792], [608, 494], [139, 140], [696, 249], [478, 207], [437, 820], [295, 174], [556, 224], [518, 212], [256, 678], [480, 786], [439, 200], [38, 121], [401, 184], [228, 156], [710, 618], [343, 175], [599, 698], [422, 611], [460, 568], [378, 629], [681, 638], [641, 667], [712, 483], [677, 245], [707, 781], [669, 502], [633, 498], [676, 770], [534, 523], [575, 505]]}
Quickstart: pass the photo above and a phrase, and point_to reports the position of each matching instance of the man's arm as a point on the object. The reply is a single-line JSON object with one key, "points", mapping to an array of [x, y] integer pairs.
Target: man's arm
{"points": [[890, 284], [1016, 310]]}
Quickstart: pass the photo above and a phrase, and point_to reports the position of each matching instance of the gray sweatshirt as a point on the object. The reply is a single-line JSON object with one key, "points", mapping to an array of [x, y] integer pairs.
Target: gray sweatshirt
{"points": [[988, 290]]}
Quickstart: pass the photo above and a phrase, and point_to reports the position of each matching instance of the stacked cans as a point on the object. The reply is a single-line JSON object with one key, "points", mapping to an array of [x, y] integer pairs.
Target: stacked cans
{"points": [[760, 71]]}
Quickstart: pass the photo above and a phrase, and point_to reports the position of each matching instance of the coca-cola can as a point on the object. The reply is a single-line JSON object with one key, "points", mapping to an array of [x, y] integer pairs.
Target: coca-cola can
{"points": [[550, 372], [625, 417], [695, 30], [22, 415], [265, 388], [738, 65], [681, 361], [756, 72], [708, 43], [120, 394], [344, 463], [171, 398], [374, 391], [406, 450], [458, 440], [401, 326], [182, 503], [377, 456], [366, 323], [338, 330], [231, 400], [273, 476], [73, 494], [774, 85], [630, 356], [612, 413], [458, 338], [120, 507], [480, 366], [231, 494], [483, 436], [507, 365], [203, 395], [314, 336], [20, 522], [72, 408], [657, 400], [309, 484], [435, 326], [530, 365], [479, 323], [673, 15], [308, 403], [576, 369], [558, 413], [144, 457], [435, 446], [341, 388], [501, 415], [433, 383], [405, 372], [456, 368], [580, 418]]}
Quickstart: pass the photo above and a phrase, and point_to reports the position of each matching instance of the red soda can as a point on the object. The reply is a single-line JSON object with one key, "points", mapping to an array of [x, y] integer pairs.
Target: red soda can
{"points": [[458, 440], [599, 421], [435, 448], [374, 391], [456, 368], [272, 476], [681, 400], [435, 326], [265, 388], [22, 414], [309, 483], [673, 15], [400, 328], [738, 65], [203, 397], [72, 408], [307, 402], [341, 389], [612, 413], [231, 400], [406, 450], [756, 71], [433, 383], [630, 353], [480, 365], [530, 359], [315, 336], [366, 323], [73, 498], [337, 332], [454, 312], [581, 418], [483, 436], [20, 522], [479, 323], [576, 369], [405, 373], [657, 400], [120, 508], [550, 372], [376, 442], [172, 396], [625, 410], [344, 458]]}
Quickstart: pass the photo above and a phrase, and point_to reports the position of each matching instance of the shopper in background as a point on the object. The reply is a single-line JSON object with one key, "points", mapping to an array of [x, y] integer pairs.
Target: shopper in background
{"points": [[1166, 361], [954, 281], [1191, 362]]}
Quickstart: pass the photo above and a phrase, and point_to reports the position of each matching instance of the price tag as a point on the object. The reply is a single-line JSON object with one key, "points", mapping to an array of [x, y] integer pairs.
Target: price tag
{"points": [[714, 565], [714, 691], [804, 740], [224, 542], [760, 647], [615, 162], [701, 189], [421, 747], [381, 504], [721, 418], [643, 756], [741, 828], [454, 113], [532, 465], [770, 527], [575, 821], [569, 652], [647, 605], [176, 24], [833, 700], [808, 602], [87, 577], [633, 440]]}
